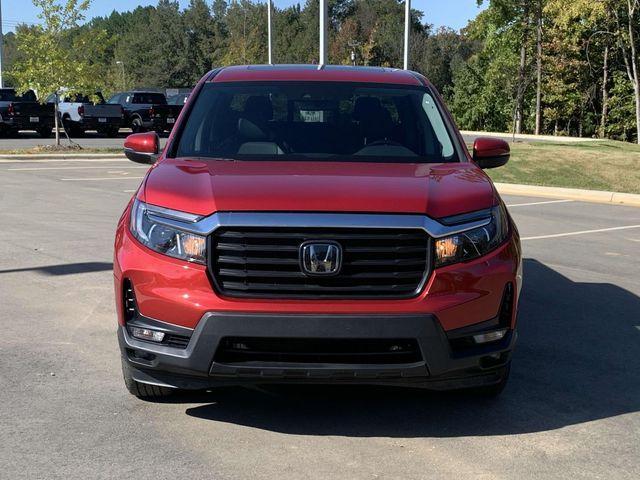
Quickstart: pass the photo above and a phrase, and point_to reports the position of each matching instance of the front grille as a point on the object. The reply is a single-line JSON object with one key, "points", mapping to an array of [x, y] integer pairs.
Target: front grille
{"points": [[318, 351], [265, 262]]}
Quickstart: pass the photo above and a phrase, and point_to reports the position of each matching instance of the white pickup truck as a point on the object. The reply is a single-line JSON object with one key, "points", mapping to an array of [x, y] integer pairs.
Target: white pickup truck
{"points": [[79, 114]]}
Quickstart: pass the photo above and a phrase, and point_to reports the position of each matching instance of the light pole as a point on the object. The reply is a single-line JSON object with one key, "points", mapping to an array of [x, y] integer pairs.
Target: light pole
{"points": [[407, 27], [324, 31], [269, 29], [118, 62], [353, 45], [1, 47]]}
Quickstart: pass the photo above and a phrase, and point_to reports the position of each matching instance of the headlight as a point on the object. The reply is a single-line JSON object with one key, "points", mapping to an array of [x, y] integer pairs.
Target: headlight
{"points": [[471, 244], [163, 238]]}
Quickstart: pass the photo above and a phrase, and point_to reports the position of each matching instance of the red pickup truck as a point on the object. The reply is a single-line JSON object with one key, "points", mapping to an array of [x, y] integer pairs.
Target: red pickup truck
{"points": [[316, 224]]}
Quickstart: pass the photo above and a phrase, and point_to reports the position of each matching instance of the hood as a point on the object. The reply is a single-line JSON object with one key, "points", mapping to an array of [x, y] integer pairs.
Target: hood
{"points": [[207, 186]]}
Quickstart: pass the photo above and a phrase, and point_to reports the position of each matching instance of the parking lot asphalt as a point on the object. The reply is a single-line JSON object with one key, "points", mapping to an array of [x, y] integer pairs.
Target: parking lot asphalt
{"points": [[571, 410]]}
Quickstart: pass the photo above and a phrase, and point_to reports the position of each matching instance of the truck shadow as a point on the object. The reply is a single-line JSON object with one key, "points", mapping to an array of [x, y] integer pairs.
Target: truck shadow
{"points": [[65, 268], [577, 361]]}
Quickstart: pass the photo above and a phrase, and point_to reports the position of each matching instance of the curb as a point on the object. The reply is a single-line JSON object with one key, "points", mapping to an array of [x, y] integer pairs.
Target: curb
{"points": [[594, 196], [526, 137], [63, 156]]}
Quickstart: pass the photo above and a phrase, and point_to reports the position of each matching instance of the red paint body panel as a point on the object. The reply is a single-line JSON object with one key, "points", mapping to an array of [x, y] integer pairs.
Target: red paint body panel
{"points": [[204, 187], [490, 147], [311, 73], [147, 142], [181, 293]]}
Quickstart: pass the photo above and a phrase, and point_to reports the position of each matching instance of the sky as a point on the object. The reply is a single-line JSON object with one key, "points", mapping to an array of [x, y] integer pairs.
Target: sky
{"points": [[451, 13]]}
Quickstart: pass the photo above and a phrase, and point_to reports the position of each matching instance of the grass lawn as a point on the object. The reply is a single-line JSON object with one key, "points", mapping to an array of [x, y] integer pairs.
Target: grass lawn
{"points": [[606, 165]]}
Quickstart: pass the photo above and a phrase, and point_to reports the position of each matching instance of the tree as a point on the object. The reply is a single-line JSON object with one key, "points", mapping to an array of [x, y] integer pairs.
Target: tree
{"points": [[201, 39], [45, 64], [515, 18], [627, 17], [246, 22], [441, 54], [539, 18]]}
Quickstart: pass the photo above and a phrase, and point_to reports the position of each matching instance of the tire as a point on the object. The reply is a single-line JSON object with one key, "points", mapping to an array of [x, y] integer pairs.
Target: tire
{"points": [[112, 132], [143, 390], [493, 391], [72, 130], [45, 132], [137, 126]]}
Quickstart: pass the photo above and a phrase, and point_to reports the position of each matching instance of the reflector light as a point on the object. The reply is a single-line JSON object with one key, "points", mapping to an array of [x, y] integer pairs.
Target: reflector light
{"points": [[194, 245], [446, 248], [147, 334], [490, 336]]}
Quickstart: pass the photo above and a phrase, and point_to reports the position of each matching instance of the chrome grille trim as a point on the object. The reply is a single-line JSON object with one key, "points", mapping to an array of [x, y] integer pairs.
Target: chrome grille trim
{"points": [[207, 225]]}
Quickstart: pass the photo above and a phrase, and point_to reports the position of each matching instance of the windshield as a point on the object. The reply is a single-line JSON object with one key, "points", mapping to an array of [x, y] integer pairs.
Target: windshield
{"points": [[331, 121], [179, 99], [7, 95], [150, 98]]}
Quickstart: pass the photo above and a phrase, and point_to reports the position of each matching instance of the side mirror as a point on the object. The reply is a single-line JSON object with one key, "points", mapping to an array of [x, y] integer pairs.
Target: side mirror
{"points": [[142, 147], [490, 152]]}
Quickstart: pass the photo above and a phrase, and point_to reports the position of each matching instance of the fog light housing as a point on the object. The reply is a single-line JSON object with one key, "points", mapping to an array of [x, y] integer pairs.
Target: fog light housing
{"points": [[492, 336], [147, 334]]}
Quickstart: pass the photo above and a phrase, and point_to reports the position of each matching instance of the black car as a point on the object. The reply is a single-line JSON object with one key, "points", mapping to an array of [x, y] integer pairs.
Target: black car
{"points": [[24, 112], [143, 110], [172, 110]]}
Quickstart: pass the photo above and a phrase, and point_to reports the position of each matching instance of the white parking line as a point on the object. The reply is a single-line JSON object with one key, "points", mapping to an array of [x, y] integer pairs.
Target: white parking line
{"points": [[37, 169], [583, 232], [538, 203], [97, 179]]}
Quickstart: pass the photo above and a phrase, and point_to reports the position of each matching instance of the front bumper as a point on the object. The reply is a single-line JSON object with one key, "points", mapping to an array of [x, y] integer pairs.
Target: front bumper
{"points": [[95, 123], [459, 298], [25, 123], [162, 124], [441, 367]]}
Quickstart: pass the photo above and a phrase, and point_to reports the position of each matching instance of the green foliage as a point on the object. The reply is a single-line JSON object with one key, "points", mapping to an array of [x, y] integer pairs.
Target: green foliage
{"points": [[575, 36], [246, 24], [49, 58], [478, 70], [621, 125], [484, 88]]}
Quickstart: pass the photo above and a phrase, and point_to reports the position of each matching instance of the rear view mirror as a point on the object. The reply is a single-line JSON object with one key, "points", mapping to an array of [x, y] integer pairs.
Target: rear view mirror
{"points": [[490, 152], [142, 147]]}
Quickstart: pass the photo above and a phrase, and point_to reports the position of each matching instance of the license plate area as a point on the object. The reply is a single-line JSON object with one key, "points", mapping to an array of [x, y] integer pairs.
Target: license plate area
{"points": [[34, 119], [102, 120]]}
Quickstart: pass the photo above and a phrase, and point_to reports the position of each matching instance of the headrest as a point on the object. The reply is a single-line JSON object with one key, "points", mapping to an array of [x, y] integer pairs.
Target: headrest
{"points": [[250, 131], [365, 107], [258, 108], [375, 120]]}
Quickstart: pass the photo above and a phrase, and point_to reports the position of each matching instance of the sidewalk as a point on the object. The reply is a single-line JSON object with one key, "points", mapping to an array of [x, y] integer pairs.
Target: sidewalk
{"points": [[527, 137]]}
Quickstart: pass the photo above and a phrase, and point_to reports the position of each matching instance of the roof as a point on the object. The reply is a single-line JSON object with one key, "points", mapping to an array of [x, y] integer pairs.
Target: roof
{"points": [[310, 73]]}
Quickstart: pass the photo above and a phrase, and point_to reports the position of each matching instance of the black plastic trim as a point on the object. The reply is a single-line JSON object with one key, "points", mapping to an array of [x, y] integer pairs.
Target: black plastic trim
{"points": [[194, 367]]}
